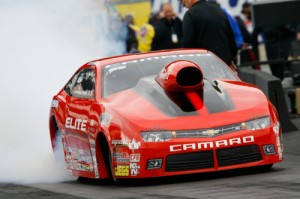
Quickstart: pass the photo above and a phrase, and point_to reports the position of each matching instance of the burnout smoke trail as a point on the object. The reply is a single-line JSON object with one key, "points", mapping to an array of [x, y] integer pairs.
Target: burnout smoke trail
{"points": [[42, 44]]}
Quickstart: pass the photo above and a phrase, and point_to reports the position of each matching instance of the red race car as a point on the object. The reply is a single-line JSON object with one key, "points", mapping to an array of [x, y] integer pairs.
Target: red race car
{"points": [[161, 114]]}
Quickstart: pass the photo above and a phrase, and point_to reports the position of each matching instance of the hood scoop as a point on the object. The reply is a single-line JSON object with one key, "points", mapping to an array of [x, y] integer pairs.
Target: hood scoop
{"points": [[180, 76], [178, 90]]}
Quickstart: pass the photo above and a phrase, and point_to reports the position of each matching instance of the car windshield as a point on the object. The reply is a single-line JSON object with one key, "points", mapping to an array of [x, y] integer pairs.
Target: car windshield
{"points": [[125, 75]]}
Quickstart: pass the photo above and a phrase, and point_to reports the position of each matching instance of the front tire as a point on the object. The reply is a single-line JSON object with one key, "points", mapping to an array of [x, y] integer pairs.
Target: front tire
{"points": [[111, 167]]}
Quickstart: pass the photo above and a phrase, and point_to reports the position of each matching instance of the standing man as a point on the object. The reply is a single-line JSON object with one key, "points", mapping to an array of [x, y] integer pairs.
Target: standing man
{"points": [[277, 43], [205, 25], [249, 32], [167, 30]]}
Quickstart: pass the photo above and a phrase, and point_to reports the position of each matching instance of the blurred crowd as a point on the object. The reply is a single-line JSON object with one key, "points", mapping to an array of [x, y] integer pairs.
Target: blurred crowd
{"points": [[164, 30]]}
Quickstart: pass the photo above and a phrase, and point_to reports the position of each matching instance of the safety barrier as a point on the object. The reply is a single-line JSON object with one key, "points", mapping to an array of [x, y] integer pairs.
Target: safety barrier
{"points": [[272, 88]]}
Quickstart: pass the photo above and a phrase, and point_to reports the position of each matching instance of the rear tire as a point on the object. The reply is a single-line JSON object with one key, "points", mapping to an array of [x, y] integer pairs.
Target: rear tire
{"points": [[58, 148]]}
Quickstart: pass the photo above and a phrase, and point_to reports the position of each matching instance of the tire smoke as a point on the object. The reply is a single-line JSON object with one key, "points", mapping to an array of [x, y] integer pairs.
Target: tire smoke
{"points": [[42, 44]]}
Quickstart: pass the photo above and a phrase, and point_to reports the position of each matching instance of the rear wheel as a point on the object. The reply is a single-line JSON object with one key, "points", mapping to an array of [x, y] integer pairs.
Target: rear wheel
{"points": [[56, 140], [58, 147]]}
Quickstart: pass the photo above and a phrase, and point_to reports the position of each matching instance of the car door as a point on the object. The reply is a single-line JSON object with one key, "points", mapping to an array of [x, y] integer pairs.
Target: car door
{"points": [[77, 149]]}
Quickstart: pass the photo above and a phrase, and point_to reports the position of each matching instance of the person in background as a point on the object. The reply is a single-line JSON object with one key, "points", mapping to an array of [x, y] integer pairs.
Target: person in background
{"points": [[144, 34], [298, 32], [250, 34], [145, 37], [206, 26], [295, 45], [120, 31], [154, 18], [239, 39], [129, 19], [278, 41], [167, 30]]}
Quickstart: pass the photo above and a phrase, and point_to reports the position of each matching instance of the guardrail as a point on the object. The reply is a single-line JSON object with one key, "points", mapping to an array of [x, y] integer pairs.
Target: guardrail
{"points": [[272, 88], [274, 61]]}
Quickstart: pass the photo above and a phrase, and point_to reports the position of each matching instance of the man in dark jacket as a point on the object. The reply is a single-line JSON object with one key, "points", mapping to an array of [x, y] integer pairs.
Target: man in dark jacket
{"points": [[168, 30], [277, 43], [206, 26], [248, 31]]}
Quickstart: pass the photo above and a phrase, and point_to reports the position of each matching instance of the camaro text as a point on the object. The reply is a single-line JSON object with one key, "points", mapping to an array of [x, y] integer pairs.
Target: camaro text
{"points": [[209, 145]]}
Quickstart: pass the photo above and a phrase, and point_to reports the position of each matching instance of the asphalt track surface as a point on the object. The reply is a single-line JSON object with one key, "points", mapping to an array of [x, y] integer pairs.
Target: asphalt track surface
{"points": [[282, 181]]}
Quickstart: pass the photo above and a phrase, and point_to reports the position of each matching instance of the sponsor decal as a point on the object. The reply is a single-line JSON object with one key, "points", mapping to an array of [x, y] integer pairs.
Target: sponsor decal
{"points": [[91, 135], [135, 157], [69, 172], [92, 142], [119, 66], [78, 159], [75, 123], [121, 157], [210, 145], [80, 93], [122, 170], [93, 122], [80, 136], [54, 103], [134, 144], [134, 169], [276, 129], [119, 142], [91, 129], [164, 75], [105, 119], [93, 157], [114, 67]]}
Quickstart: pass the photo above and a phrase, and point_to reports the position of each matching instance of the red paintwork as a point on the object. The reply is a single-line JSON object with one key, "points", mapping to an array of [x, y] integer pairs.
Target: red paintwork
{"points": [[167, 77], [132, 114]]}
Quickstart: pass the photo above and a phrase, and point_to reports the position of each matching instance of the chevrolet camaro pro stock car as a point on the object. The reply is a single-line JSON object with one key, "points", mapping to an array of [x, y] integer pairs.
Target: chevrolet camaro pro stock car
{"points": [[162, 113]]}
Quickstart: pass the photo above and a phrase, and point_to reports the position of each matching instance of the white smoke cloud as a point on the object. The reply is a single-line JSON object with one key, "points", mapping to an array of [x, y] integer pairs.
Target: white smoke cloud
{"points": [[42, 43]]}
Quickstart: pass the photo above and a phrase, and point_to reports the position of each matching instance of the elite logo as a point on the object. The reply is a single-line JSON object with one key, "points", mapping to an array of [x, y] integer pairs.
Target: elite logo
{"points": [[75, 123]]}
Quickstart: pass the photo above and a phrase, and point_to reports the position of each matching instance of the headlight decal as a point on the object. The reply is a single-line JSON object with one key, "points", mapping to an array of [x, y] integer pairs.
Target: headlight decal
{"points": [[157, 136], [257, 124], [164, 135]]}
